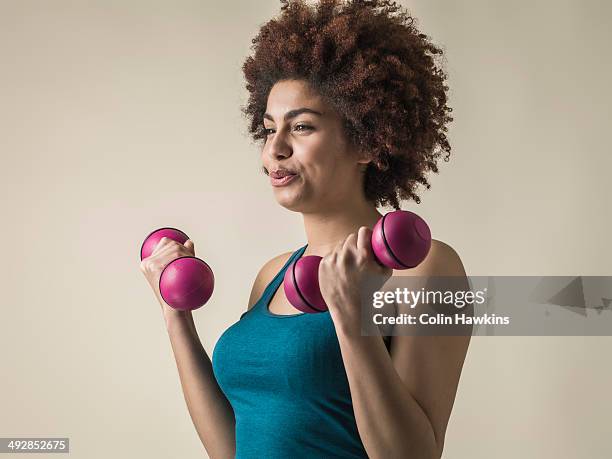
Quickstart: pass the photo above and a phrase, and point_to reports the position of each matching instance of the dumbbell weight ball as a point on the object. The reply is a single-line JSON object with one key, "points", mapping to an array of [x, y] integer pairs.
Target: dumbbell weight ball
{"points": [[186, 283], [400, 240], [301, 285]]}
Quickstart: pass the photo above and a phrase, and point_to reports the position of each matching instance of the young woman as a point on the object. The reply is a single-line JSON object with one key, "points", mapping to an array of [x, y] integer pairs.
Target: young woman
{"points": [[350, 107]]}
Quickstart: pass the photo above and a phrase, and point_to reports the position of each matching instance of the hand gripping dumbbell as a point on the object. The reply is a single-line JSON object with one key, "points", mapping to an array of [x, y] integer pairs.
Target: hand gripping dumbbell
{"points": [[186, 283], [400, 240]]}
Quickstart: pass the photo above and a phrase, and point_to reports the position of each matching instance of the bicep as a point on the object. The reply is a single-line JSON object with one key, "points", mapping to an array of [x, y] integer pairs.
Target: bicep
{"points": [[430, 366]]}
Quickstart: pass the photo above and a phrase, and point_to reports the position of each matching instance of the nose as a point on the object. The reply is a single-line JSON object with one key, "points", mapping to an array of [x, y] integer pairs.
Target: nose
{"points": [[277, 146]]}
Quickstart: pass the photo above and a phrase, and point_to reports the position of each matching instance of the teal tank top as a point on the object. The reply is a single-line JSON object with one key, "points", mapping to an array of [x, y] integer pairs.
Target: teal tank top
{"points": [[286, 382]]}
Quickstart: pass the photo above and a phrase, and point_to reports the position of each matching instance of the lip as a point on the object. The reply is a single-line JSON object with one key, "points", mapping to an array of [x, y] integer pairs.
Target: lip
{"points": [[283, 181], [281, 172]]}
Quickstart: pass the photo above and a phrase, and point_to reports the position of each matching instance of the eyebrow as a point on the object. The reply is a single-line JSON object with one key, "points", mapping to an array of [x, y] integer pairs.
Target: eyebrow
{"points": [[294, 113]]}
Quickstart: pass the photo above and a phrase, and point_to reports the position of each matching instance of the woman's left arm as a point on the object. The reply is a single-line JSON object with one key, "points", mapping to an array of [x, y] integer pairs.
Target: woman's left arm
{"points": [[402, 402]]}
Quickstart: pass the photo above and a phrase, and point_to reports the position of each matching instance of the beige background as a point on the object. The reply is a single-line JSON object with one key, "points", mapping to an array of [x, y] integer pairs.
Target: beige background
{"points": [[118, 117]]}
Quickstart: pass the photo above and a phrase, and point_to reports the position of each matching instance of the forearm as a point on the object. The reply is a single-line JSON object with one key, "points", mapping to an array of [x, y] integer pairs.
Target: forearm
{"points": [[211, 413], [391, 423]]}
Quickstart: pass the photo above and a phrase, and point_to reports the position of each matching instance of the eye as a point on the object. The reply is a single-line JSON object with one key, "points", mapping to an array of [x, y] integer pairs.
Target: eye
{"points": [[305, 126], [298, 127]]}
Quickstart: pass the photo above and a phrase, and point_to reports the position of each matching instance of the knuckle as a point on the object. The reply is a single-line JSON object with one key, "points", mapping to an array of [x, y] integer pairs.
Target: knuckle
{"points": [[147, 266], [152, 266]]}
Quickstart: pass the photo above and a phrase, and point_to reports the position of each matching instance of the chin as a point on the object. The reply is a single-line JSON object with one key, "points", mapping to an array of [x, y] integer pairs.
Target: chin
{"points": [[291, 201], [291, 204]]}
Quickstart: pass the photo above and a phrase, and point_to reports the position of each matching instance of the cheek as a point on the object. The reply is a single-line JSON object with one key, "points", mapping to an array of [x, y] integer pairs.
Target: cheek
{"points": [[323, 172], [323, 159]]}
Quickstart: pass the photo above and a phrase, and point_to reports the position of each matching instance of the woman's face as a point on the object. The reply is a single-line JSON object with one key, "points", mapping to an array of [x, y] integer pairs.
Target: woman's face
{"points": [[306, 137]]}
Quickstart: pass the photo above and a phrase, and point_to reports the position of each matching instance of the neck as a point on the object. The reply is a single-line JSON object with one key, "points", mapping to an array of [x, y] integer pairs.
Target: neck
{"points": [[326, 229]]}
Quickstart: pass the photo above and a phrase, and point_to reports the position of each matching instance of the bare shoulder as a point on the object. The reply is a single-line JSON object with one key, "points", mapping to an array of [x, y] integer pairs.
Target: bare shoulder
{"points": [[442, 260], [265, 275]]}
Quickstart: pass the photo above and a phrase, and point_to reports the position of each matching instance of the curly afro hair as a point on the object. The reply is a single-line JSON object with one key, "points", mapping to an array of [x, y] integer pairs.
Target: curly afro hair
{"points": [[369, 61]]}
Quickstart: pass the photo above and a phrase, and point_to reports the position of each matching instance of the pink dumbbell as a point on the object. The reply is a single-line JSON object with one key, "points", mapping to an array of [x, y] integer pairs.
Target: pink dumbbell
{"points": [[400, 240], [186, 283]]}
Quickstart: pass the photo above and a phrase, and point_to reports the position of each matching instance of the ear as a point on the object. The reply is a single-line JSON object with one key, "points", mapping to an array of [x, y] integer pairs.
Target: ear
{"points": [[363, 161], [362, 157], [363, 164]]}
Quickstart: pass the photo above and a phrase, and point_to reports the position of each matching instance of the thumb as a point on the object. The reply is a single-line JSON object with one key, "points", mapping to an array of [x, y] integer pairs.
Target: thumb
{"points": [[189, 245]]}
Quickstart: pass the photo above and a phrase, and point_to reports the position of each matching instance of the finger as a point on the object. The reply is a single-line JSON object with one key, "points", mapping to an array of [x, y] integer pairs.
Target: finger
{"points": [[161, 243], [350, 243], [348, 250], [335, 251], [364, 239], [190, 246]]}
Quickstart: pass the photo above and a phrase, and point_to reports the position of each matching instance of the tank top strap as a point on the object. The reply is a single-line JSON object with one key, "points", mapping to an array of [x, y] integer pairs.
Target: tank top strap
{"points": [[276, 280]]}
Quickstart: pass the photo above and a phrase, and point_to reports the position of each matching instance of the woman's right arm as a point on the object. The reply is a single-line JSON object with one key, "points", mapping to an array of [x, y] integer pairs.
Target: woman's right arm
{"points": [[211, 413]]}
